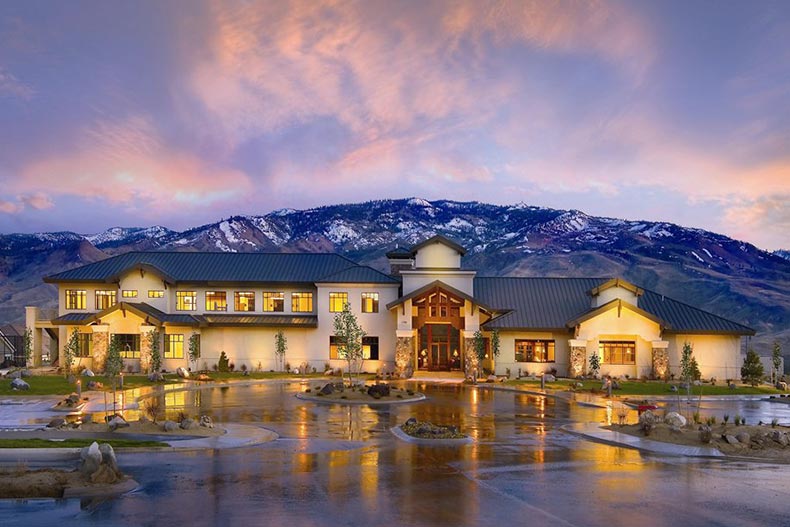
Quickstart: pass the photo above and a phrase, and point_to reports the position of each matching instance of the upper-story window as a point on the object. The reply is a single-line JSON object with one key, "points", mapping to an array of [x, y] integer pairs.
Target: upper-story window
{"points": [[186, 300], [274, 301], [129, 293], [216, 301], [337, 302], [156, 293], [244, 301], [105, 299], [301, 302], [76, 299], [617, 351], [370, 302]]}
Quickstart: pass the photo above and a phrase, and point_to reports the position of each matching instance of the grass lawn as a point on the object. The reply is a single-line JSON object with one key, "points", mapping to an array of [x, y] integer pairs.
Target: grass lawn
{"points": [[650, 388], [58, 385], [77, 443]]}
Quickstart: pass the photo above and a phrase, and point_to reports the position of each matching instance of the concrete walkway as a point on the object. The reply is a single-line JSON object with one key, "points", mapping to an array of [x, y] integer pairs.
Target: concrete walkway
{"points": [[594, 432]]}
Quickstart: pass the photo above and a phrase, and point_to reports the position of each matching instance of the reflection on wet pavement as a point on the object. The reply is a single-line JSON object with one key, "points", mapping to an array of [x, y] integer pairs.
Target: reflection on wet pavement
{"points": [[337, 465]]}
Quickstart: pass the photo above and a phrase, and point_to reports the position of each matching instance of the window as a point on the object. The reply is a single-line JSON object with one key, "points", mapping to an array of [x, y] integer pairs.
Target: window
{"points": [[370, 348], [273, 301], [156, 293], [617, 352], [244, 301], [370, 302], [129, 344], [105, 300], [174, 346], [186, 300], [334, 342], [534, 351], [129, 293], [337, 302], [216, 301], [301, 302], [85, 345], [76, 299]]}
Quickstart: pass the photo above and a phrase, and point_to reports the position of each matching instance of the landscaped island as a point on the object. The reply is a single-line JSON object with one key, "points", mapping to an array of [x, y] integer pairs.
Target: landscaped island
{"points": [[378, 393]]}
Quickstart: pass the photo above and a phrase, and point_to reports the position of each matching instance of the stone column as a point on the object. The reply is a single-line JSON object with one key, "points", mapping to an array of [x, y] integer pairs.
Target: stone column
{"points": [[578, 358], [471, 362], [404, 351], [101, 344], [145, 347], [660, 359]]}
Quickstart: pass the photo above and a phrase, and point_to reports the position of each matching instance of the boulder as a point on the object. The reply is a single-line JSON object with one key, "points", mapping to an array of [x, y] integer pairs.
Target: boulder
{"points": [[25, 373], [647, 421], [675, 419], [743, 437], [187, 424], [143, 419], [56, 423], [615, 385], [87, 372], [780, 437], [410, 421], [380, 390], [206, 422], [19, 384], [781, 385], [491, 378], [182, 372], [117, 422], [16, 374], [697, 383], [676, 430], [156, 377], [673, 388], [104, 475], [328, 389], [705, 434], [731, 439], [550, 378], [732, 386], [330, 371], [108, 457], [95, 385], [90, 459], [73, 399], [170, 426]]}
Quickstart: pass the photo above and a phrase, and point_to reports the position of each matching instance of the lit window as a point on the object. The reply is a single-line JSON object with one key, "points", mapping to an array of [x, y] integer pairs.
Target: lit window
{"points": [[370, 348], [174, 346], [76, 299], [216, 301], [129, 293], [128, 344], [534, 351], [186, 300], [244, 301], [105, 299], [334, 343], [84, 345], [273, 301], [337, 302], [617, 352], [370, 302], [301, 302], [156, 293]]}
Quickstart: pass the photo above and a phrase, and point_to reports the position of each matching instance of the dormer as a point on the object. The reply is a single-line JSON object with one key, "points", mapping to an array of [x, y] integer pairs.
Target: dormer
{"points": [[437, 252], [615, 289]]}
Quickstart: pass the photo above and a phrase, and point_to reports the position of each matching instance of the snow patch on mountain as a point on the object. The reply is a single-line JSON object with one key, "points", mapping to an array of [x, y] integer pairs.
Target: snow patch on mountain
{"points": [[697, 256], [339, 232]]}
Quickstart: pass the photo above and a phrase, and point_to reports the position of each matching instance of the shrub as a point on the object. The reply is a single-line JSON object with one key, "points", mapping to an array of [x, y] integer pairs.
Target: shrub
{"points": [[243, 367], [151, 408], [232, 366], [215, 367], [774, 422], [222, 364], [752, 369], [725, 419]]}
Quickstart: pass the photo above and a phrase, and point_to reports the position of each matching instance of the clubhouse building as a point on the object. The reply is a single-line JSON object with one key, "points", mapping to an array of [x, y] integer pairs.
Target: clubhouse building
{"points": [[423, 316]]}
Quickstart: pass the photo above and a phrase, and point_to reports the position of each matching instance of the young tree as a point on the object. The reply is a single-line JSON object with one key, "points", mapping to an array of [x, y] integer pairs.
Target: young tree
{"points": [[114, 364], [280, 347], [479, 345], [752, 370], [153, 345], [27, 345], [349, 335], [595, 363], [776, 360], [688, 365], [71, 350], [495, 343], [194, 348]]}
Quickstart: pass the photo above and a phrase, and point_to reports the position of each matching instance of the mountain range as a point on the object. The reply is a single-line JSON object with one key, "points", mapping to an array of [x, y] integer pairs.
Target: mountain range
{"points": [[725, 276]]}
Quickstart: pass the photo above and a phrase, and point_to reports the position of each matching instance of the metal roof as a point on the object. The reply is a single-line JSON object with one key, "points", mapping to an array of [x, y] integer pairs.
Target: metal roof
{"points": [[684, 318], [220, 267], [359, 275], [444, 240], [303, 321]]}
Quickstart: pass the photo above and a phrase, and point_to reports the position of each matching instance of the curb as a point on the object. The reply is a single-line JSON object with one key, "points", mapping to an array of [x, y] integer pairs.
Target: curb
{"points": [[374, 402]]}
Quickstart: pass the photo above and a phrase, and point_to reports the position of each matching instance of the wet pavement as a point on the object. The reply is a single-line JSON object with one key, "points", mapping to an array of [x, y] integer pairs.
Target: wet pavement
{"points": [[337, 465]]}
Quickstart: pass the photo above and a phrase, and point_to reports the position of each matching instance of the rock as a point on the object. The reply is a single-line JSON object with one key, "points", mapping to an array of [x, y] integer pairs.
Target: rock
{"points": [[673, 388], [95, 385], [108, 457], [743, 437], [187, 424], [328, 389], [675, 419], [615, 385], [56, 423], [382, 390], [73, 399], [16, 374], [780, 437], [550, 378], [730, 439], [410, 421], [732, 386], [25, 373], [647, 421], [90, 459], [206, 422], [579, 385], [491, 378], [675, 430], [117, 422], [88, 373], [19, 384], [781, 386], [705, 434], [182, 372], [143, 420], [330, 371], [105, 475], [156, 377], [697, 383], [170, 426]]}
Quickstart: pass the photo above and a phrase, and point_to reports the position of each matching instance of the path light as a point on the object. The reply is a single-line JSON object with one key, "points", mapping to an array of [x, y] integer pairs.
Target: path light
{"points": [[79, 389]]}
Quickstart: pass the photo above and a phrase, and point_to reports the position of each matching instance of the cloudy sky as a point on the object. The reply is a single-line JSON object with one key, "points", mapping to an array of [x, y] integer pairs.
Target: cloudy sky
{"points": [[182, 112]]}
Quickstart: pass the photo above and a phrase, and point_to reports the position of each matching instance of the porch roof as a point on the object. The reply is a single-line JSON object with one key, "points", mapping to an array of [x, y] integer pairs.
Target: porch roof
{"points": [[440, 285]]}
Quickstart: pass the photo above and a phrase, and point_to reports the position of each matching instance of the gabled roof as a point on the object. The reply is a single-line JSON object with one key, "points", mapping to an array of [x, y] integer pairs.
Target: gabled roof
{"points": [[441, 285], [684, 318], [618, 304], [439, 239], [217, 267], [616, 282]]}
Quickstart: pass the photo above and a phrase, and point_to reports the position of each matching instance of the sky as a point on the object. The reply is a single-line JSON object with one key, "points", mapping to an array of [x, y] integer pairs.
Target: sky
{"points": [[182, 112]]}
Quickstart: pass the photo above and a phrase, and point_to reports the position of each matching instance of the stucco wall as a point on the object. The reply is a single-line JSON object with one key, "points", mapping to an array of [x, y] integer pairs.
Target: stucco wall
{"points": [[613, 293], [438, 256], [461, 280], [717, 355], [507, 353]]}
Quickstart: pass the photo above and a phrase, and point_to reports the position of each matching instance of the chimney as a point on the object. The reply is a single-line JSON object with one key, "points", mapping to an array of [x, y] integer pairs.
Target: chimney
{"points": [[400, 260]]}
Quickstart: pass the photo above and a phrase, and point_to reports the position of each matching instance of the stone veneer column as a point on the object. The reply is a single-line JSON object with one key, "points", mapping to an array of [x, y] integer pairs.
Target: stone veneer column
{"points": [[101, 344], [578, 358], [471, 362], [404, 351], [145, 347], [660, 359]]}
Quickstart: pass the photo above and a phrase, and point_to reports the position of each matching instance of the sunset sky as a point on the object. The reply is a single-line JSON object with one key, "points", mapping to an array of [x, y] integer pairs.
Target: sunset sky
{"points": [[182, 112]]}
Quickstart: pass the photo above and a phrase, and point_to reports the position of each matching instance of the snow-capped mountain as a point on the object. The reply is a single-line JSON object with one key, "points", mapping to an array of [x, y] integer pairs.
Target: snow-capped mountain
{"points": [[715, 272]]}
